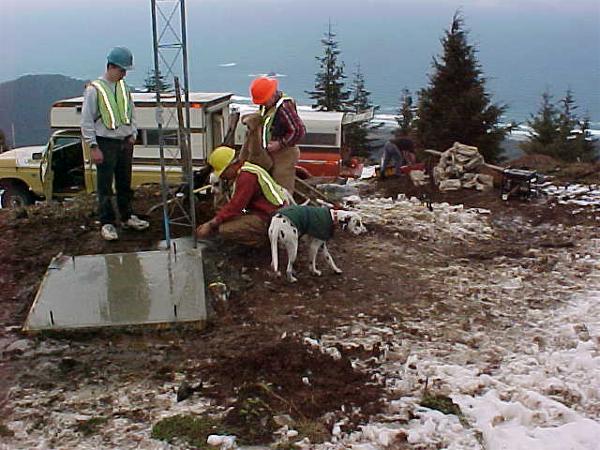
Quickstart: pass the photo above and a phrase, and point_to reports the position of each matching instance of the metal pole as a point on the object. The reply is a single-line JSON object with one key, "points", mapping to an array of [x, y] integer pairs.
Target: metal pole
{"points": [[186, 90], [159, 120]]}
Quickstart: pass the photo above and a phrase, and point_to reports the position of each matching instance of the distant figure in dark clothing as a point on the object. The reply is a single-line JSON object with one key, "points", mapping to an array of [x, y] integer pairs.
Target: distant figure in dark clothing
{"points": [[407, 149], [400, 149]]}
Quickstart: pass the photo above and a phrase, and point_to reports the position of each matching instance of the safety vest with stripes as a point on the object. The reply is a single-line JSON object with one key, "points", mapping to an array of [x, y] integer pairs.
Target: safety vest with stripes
{"points": [[114, 107], [268, 116], [273, 192]]}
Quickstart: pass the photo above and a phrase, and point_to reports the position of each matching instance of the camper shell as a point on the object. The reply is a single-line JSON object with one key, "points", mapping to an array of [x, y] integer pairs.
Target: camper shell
{"points": [[209, 115]]}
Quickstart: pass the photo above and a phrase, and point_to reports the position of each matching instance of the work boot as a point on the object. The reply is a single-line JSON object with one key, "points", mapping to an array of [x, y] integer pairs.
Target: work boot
{"points": [[135, 223], [109, 232]]}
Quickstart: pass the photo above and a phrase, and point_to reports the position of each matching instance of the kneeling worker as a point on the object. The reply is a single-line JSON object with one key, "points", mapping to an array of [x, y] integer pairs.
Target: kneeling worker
{"points": [[255, 192]]}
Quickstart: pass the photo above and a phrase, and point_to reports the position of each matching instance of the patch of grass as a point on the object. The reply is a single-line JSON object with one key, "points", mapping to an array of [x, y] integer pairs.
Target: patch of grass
{"points": [[252, 415], [192, 429], [91, 426], [5, 431], [440, 403], [315, 431]]}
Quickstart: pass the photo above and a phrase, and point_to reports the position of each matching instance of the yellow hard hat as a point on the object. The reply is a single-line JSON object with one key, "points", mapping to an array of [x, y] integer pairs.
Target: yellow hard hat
{"points": [[220, 158]]}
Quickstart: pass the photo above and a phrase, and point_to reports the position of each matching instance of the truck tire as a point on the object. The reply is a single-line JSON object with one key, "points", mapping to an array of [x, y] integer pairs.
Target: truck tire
{"points": [[15, 196]]}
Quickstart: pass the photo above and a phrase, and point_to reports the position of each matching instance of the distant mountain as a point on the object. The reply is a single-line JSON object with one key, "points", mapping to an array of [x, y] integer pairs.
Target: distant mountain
{"points": [[25, 102]]}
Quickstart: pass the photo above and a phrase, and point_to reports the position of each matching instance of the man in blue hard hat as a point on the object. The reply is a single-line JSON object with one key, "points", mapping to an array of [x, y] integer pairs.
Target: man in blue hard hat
{"points": [[108, 128]]}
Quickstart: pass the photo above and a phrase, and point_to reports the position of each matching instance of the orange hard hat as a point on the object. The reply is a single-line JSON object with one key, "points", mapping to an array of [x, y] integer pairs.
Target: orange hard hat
{"points": [[262, 89]]}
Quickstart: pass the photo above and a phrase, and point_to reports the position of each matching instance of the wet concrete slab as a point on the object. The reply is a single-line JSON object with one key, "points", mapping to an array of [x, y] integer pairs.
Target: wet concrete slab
{"points": [[122, 289]]}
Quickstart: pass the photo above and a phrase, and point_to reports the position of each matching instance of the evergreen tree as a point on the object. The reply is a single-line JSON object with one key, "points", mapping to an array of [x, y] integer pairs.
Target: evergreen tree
{"points": [[585, 144], [567, 119], [558, 132], [360, 98], [357, 134], [329, 93], [406, 114], [150, 82], [545, 129], [456, 106]]}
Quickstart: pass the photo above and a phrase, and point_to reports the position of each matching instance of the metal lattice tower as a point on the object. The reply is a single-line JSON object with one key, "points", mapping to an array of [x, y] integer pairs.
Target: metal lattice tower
{"points": [[171, 61]]}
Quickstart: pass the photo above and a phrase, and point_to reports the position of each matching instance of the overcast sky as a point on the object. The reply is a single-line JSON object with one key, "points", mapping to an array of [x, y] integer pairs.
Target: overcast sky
{"points": [[533, 43]]}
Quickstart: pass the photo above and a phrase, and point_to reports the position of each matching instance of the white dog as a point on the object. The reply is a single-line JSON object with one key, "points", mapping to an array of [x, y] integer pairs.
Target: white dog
{"points": [[290, 223]]}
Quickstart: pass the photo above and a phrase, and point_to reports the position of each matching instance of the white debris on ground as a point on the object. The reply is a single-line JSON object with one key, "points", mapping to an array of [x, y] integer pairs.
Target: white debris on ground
{"points": [[120, 407], [432, 221], [586, 196], [223, 442], [368, 172], [530, 382]]}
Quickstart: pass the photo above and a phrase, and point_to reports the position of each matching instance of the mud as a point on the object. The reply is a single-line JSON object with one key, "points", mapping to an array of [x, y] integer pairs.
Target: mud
{"points": [[255, 347]]}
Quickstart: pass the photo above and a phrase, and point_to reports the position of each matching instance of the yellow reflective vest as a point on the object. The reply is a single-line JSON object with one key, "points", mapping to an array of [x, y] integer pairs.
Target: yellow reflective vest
{"points": [[273, 192], [114, 107], [268, 116]]}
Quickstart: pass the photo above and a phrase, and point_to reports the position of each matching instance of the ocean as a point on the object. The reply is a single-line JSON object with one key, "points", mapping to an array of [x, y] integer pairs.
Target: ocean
{"points": [[525, 47]]}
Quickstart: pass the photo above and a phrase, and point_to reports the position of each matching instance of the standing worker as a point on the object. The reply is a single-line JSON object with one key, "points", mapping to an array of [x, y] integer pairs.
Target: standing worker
{"points": [[245, 218], [108, 127], [282, 128]]}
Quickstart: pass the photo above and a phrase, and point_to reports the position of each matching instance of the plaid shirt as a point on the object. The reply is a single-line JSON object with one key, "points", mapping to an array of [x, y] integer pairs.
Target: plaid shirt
{"points": [[291, 122]]}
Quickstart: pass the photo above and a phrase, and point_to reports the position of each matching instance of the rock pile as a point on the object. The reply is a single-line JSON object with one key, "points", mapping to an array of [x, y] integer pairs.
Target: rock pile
{"points": [[459, 168]]}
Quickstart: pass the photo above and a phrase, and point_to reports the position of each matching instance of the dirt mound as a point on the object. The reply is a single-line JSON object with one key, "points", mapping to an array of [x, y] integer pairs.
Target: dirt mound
{"points": [[287, 377], [535, 162]]}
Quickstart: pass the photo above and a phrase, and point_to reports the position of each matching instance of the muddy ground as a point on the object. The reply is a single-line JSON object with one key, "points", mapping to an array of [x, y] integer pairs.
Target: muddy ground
{"points": [[254, 354]]}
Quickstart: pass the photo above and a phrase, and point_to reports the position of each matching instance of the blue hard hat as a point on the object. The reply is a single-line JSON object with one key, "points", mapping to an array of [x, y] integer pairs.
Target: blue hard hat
{"points": [[122, 57]]}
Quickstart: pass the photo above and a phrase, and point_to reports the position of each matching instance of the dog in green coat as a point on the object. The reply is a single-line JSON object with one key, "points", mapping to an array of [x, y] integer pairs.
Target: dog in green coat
{"points": [[317, 223]]}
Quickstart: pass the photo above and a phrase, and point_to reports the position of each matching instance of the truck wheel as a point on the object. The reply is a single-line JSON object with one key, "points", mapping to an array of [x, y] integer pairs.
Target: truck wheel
{"points": [[15, 196]]}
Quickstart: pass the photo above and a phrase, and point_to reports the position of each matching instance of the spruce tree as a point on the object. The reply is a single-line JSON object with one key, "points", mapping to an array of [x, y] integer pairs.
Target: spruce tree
{"points": [[455, 106], [567, 118], [557, 131], [544, 129], [150, 82], [329, 93], [585, 144], [406, 115], [357, 134]]}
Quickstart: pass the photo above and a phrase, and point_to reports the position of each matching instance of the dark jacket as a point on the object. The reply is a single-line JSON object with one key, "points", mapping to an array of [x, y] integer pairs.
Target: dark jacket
{"points": [[312, 220]]}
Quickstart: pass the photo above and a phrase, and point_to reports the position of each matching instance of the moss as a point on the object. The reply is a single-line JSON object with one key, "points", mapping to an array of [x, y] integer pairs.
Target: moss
{"points": [[5, 431], [252, 415], [91, 426], [440, 403], [192, 429]]}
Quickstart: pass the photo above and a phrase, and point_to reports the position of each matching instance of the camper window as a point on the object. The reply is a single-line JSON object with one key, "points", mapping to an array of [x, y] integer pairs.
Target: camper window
{"points": [[150, 137]]}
